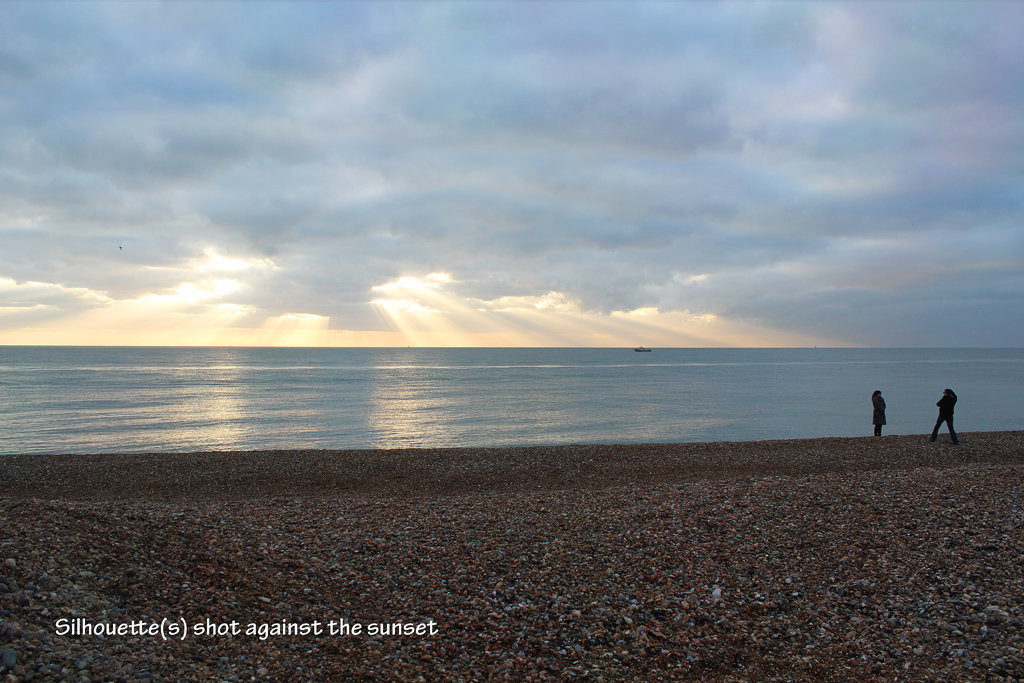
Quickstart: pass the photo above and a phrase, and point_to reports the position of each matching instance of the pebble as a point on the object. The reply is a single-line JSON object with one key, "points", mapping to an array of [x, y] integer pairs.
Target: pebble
{"points": [[826, 559]]}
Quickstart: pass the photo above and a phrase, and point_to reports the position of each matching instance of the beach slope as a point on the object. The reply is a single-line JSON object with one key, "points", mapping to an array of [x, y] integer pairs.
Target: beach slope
{"points": [[820, 559]]}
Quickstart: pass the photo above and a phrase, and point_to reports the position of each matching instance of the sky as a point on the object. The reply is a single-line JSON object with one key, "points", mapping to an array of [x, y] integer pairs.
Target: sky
{"points": [[512, 173]]}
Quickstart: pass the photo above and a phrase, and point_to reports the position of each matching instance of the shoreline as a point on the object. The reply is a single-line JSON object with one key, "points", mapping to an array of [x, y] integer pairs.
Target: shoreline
{"points": [[226, 475], [813, 560]]}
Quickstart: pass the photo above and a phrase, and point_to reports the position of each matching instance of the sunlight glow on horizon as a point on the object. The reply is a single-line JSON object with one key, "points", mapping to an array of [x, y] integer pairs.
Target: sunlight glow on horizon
{"points": [[420, 311], [413, 311]]}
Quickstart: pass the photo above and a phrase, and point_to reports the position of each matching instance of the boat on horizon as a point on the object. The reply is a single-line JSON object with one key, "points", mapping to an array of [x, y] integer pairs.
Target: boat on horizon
{"points": [[642, 349]]}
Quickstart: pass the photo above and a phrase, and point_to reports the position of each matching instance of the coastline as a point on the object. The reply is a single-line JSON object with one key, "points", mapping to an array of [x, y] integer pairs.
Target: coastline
{"points": [[419, 472], [819, 559]]}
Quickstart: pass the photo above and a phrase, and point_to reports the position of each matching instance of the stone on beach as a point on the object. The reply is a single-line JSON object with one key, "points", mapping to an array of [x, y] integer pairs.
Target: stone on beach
{"points": [[823, 559]]}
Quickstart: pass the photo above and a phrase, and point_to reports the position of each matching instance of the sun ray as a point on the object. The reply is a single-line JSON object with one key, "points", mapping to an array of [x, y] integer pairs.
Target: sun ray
{"points": [[411, 311], [422, 311]]}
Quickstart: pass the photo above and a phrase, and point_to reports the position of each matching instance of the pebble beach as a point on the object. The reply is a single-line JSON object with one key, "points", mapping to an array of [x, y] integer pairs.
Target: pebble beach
{"points": [[865, 559]]}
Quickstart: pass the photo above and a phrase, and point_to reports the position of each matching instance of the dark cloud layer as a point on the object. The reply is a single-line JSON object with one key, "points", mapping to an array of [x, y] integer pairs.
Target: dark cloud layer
{"points": [[842, 170]]}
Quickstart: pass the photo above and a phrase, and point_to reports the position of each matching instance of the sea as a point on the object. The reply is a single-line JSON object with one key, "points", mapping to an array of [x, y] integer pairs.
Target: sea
{"points": [[145, 399]]}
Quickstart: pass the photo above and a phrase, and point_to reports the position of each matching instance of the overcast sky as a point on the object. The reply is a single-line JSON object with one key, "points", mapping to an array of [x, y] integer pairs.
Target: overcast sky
{"points": [[531, 173]]}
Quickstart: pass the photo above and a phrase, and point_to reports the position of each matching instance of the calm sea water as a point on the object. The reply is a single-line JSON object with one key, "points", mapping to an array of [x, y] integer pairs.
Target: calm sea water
{"points": [[93, 400]]}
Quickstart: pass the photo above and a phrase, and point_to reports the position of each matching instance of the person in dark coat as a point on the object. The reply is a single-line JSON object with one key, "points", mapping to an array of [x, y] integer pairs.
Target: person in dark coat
{"points": [[878, 415], [945, 405]]}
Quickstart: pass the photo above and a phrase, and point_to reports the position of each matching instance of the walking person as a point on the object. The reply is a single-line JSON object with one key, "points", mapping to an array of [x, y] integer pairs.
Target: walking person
{"points": [[945, 405], [878, 414]]}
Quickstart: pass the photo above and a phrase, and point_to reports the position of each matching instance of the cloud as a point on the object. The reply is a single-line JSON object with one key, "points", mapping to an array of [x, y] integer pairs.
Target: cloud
{"points": [[24, 301], [840, 171]]}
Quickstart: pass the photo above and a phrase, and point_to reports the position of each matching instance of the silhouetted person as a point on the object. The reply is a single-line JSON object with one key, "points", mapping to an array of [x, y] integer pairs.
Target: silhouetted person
{"points": [[878, 415], [945, 405]]}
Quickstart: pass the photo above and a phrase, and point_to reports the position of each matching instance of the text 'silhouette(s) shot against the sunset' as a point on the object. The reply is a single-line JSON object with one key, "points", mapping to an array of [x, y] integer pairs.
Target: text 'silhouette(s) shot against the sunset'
{"points": [[512, 174]]}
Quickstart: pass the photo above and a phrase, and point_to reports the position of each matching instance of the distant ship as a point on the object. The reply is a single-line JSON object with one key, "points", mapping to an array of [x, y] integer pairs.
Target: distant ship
{"points": [[641, 349]]}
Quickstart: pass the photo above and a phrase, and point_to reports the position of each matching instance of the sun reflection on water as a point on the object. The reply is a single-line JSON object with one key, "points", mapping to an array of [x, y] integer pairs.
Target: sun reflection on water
{"points": [[404, 413]]}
